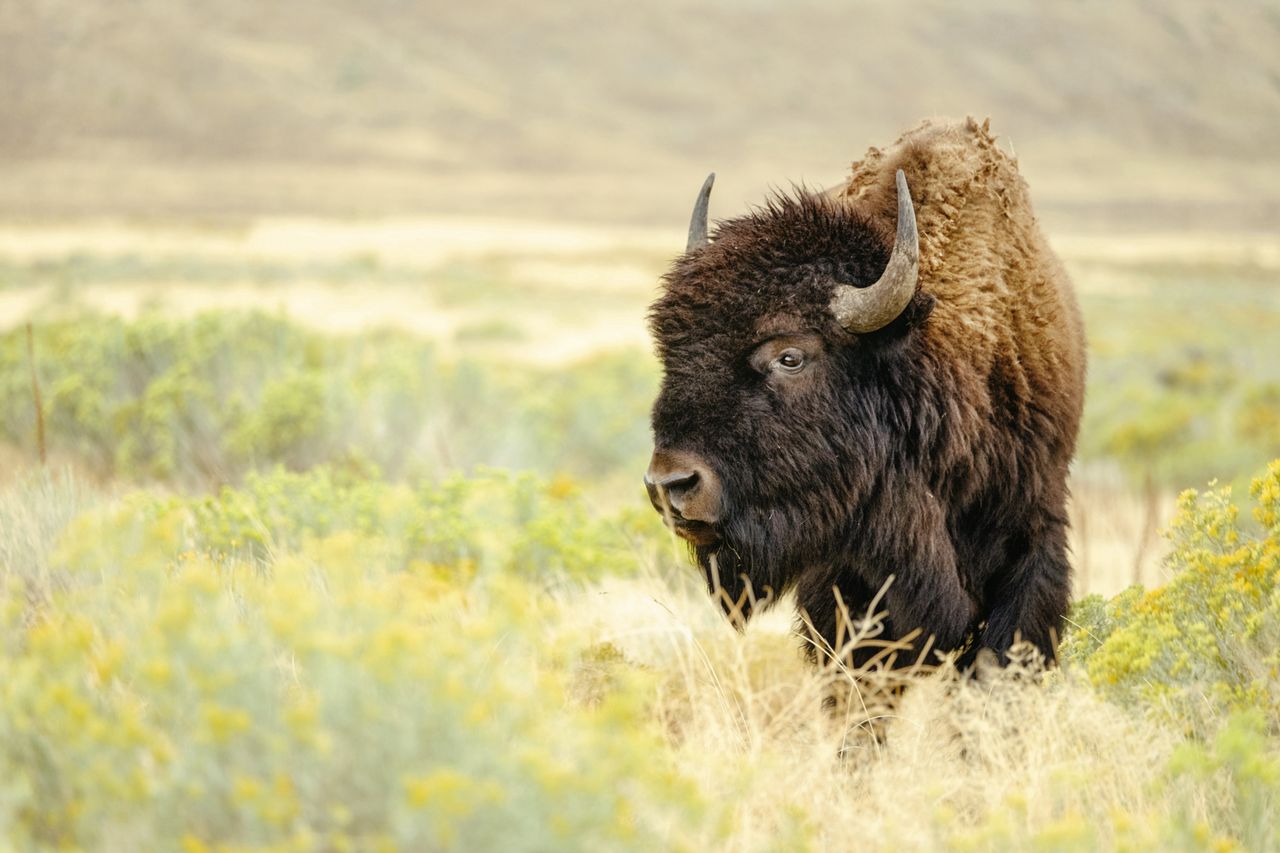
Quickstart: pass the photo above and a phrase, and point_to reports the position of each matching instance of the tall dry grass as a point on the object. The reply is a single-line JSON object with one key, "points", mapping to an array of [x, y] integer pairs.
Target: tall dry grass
{"points": [[1115, 534], [1011, 759]]}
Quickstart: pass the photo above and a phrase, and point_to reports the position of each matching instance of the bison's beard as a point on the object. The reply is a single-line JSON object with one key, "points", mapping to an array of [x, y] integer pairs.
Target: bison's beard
{"points": [[760, 554]]}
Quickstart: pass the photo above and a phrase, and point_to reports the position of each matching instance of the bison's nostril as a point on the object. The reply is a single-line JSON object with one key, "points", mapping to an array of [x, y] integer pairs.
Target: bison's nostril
{"points": [[670, 489], [681, 484], [678, 484]]}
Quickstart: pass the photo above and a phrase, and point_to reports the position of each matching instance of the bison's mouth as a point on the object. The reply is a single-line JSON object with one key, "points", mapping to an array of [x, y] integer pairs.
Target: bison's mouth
{"points": [[695, 532]]}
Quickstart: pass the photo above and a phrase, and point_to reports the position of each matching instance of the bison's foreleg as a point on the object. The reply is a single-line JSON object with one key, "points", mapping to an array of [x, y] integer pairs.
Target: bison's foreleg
{"points": [[912, 544], [1028, 602]]}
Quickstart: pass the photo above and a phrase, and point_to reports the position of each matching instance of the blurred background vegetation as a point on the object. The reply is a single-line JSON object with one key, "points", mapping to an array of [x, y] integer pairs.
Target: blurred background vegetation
{"points": [[430, 232], [332, 319]]}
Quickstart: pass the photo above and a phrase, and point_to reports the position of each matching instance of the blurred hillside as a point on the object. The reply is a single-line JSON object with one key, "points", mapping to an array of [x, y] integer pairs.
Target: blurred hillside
{"points": [[1161, 114]]}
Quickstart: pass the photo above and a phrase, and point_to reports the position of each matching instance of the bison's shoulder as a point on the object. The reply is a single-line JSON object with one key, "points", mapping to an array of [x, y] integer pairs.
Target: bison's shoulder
{"points": [[962, 183], [1005, 326]]}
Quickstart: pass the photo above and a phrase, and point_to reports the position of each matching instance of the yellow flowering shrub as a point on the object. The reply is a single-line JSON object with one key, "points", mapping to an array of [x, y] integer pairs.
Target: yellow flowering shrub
{"points": [[328, 661], [327, 690], [1210, 637], [492, 521]]}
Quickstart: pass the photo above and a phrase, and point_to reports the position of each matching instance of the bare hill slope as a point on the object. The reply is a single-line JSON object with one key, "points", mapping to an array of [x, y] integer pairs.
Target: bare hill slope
{"points": [[1123, 111]]}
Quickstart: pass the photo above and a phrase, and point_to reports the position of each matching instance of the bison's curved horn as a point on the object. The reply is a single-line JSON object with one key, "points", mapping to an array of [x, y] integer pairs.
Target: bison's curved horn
{"points": [[698, 222], [866, 309]]}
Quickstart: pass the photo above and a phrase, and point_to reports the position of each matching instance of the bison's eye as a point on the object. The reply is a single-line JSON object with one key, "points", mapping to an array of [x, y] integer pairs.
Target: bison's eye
{"points": [[789, 361], [786, 355]]}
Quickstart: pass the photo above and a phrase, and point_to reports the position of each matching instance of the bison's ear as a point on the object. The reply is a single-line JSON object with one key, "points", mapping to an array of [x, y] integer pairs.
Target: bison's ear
{"points": [[918, 310], [698, 222]]}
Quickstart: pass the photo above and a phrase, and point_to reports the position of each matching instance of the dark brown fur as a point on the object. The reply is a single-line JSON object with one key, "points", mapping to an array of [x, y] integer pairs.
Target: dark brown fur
{"points": [[935, 450]]}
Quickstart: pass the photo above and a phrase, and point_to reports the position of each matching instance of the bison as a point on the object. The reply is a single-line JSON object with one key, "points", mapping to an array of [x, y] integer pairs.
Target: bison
{"points": [[876, 390]]}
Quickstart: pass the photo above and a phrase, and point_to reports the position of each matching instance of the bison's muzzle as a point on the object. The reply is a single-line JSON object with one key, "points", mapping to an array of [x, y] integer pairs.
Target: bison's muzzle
{"points": [[687, 493]]}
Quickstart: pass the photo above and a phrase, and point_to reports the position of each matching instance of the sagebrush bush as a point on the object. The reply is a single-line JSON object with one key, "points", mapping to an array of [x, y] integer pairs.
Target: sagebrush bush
{"points": [[1174, 401], [201, 402], [329, 688], [1210, 637], [325, 660], [331, 619], [493, 522]]}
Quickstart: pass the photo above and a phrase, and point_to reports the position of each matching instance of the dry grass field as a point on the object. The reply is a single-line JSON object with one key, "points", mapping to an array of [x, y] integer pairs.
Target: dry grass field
{"points": [[324, 386], [379, 358]]}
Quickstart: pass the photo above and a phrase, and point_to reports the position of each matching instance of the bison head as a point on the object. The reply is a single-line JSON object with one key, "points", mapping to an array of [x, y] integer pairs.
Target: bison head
{"points": [[777, 401]]}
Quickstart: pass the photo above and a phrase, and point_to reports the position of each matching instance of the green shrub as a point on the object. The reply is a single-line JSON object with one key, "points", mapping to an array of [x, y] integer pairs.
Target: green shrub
{"points": [[1174, 400], [1210, 637], [493, 522], [201, 402], [327, 660], [325, 700], [1244, 751]]}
